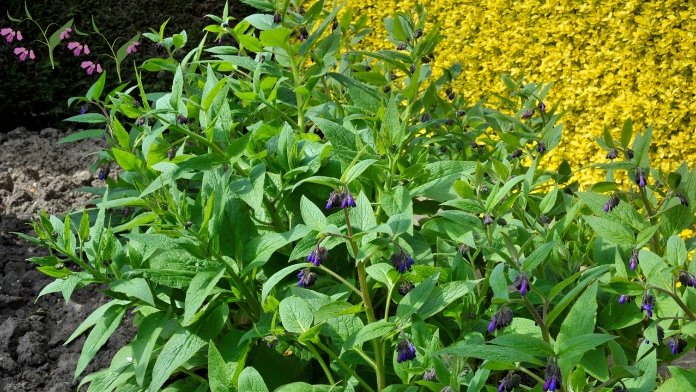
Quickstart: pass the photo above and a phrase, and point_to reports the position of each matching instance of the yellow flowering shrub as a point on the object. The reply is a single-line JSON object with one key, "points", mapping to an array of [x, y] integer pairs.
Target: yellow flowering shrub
{"points": [[608, 60]]}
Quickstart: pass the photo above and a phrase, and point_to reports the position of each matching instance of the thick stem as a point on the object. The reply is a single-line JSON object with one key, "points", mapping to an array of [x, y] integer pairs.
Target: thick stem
{"points": [[676, 299], [340, 279], [653, 219], [369, 310], [325, 368], [538, 319], [345, 366]]}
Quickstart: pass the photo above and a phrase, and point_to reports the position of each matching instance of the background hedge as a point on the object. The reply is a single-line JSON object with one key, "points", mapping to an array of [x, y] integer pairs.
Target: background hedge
{"points": [[609, 60], [35, 96]]}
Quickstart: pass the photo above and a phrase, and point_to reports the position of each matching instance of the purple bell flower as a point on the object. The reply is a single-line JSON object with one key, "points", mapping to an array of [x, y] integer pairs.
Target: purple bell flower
{"points": [[521, 283], [405, 351], [501, 319], [648, 304], [640, 177], [317, 255], [633, 261], [306, 278], [611, 203], [402, 261], [552, 377]]}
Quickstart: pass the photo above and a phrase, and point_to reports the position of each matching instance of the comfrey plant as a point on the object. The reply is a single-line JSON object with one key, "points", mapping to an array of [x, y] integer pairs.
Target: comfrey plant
{"points": [[294, 214]]}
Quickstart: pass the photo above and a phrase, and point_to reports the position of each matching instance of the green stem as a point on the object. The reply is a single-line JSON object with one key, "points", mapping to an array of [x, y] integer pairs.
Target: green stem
{"points": [[534, 376], [299, 98], [676, 299], [345, 366], [651, 216], [327, 372], [386, 306], [369, 310], [340, 279], [538, 319]]}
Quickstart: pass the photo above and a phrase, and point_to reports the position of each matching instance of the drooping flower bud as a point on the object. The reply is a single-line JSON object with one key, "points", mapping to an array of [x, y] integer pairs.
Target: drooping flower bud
{"points": [[687, 279], [450, 94], [304, 34], [347, 199], [516, 154], [334, 200], [634, 259], [527, 114], [401, 46], [640, 177], [425, 117], [317, 255], [501, 319], [677, 345], [405, 351], [402, 261], [521, 283], [430, 375], [509, 382], [277, 18], [181, 119], [418, 33], [612, 154], [405, 287], [541, 147], [306, 278], [628, 153], [611, 203], [648, 304], [552, 377], [488, 219], [683, 200], [542, 107]]}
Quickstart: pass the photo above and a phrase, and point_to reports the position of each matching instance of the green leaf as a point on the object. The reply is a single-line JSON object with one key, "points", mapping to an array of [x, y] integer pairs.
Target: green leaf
{"points": [[95, 91], [125, 159], [185, 343], [626, 132], [537, 256], [250, 380], [177, 88], [576, 346], [382, 272], [490, 352], [370, 332], [391, 125], [135, 288], [219, 375], [526, 343], [312, 215], [88, 118], [356, 170], [277, 277], [144, 343], [610, 231], [548, 201], [503, 192], [81, 135], [499, 283], [101, 332], [120, 134], [415, 299], [295, 315], [336, 309], [277, 37], [646, 382], [676, 251], [582, 316], [200, 288], [444, 295], [588, 278]]}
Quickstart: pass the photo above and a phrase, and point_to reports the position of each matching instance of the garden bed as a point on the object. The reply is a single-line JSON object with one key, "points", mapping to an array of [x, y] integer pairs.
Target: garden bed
{"points": [[37, 173]]}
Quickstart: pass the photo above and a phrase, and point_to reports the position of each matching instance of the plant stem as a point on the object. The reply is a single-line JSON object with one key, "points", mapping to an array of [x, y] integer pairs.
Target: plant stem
{"points": [[344, 365], [538, 319], [534, 376], [369, 310], [676, 299], [340, 279], [327, 372], [651, 216]]}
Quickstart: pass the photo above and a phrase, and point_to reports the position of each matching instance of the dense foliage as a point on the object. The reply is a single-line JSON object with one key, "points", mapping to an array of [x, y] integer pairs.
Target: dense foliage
{"points": [[293, 212], [34, 93], [608, 60]]}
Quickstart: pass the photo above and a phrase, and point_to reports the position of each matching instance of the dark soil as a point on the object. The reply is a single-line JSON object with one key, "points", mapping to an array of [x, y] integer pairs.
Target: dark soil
{"points": [[38, 174]]}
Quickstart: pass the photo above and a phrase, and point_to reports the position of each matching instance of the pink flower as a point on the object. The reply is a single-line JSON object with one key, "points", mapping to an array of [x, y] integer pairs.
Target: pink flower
{"points": [[77, 48], [10, 34], [133, 47], [22, 53], [65, 34], [90, 67]]}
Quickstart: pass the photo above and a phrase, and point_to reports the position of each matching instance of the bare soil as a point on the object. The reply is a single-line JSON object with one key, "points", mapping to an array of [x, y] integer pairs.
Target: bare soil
{"points": [[38, 174]]}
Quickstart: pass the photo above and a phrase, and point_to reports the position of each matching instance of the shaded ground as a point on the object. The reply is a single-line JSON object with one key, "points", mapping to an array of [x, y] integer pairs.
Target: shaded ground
{"points": [[35, 174]]}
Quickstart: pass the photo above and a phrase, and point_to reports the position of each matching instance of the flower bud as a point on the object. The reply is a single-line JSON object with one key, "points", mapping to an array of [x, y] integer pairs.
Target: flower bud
{"points": [[542, 107], [418, 33], [405, 287], [612, 154], [277, 18], [628, 153], [401, 46], [527, 114]]}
